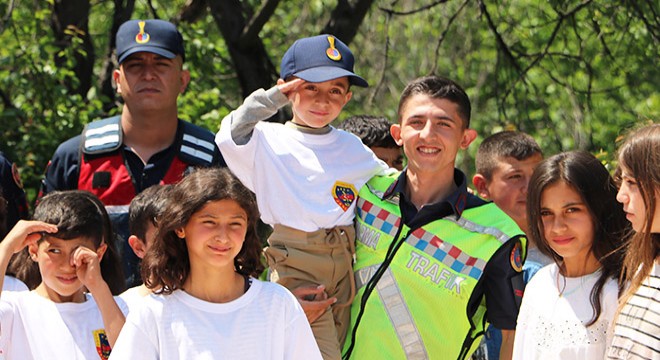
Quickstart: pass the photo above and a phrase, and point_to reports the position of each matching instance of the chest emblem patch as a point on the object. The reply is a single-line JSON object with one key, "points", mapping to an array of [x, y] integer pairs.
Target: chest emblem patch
{"points": [[102, 344], [344, 194]]}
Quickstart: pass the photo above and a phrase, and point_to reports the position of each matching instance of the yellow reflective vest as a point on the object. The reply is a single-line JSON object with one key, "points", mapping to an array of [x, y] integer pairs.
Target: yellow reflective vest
{"points": [[418, 307]]}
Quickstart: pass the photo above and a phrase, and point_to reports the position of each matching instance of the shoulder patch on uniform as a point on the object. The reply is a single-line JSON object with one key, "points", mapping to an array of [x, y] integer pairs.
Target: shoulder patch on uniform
{"points": [[516, 257], [344, 194], [102, 136], [197, 145], [16, 175]]}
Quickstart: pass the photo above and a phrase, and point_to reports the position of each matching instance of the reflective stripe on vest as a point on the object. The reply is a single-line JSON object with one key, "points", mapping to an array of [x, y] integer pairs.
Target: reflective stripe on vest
{"points": [[117, 209], [397, 310]]}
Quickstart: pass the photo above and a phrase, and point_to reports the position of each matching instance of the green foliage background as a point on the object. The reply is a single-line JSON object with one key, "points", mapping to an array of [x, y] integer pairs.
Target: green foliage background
{"points": [[574, 74]]}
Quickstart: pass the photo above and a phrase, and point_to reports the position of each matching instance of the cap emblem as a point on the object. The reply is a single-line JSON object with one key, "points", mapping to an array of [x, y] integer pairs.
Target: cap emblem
{"points": [[142, 37], [332, 52]]}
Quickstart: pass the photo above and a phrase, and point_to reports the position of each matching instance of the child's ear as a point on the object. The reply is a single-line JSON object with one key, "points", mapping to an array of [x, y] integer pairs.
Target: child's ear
{"points": [[481, 184], [349, 96], [33, 248], [138, 246], [100, 251], [180, 233]]}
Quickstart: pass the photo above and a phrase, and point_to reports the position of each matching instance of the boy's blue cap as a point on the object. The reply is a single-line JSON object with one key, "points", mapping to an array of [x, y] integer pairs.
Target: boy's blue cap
{"points": [[319, 58], [154, 36]]}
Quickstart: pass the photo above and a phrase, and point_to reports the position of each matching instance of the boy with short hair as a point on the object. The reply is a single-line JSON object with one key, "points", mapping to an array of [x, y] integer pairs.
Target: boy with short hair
{"points": [[505, 162], [143, 213], [374, 131], [305, 174]]}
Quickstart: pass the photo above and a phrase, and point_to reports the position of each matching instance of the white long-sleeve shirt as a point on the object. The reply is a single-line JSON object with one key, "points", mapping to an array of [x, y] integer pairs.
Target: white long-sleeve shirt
{"points": [[307, 180]]}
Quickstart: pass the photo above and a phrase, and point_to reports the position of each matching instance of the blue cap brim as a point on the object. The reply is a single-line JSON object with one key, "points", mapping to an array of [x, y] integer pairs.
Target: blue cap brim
{"points": [[144, 48], [325, 73]]}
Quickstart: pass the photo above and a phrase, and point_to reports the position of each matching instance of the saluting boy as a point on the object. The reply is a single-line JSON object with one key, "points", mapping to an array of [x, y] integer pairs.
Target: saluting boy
{"points": [[306, 174]]}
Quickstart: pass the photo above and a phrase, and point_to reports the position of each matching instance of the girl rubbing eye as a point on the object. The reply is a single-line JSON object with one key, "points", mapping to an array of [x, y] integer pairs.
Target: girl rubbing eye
{"points": [[71, 314]]}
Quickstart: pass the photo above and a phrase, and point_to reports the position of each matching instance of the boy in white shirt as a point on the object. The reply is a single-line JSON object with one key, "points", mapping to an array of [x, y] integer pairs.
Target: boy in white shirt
{"points": [[306, 175], [143, 212]]}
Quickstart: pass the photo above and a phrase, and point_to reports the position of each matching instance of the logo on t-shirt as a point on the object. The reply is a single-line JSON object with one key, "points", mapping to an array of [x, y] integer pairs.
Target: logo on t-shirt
{"points": [[102, 344], [344, 194]]}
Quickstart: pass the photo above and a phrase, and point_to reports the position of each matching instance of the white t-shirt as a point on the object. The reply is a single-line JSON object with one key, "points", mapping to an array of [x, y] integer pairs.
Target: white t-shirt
{"points": [[551, 326], [637, 331], [307, 181], [33, 327], [133, 297], [266, 322], [13, 284]]}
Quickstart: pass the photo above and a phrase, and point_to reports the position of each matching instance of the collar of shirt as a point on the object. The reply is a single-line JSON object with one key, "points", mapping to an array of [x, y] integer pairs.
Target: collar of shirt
{"points": [[454, 204], [308, 130], [151, 173]]}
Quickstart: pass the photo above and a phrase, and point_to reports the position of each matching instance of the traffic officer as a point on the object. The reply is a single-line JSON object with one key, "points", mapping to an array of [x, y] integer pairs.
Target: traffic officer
{"points": [[434, 262]]}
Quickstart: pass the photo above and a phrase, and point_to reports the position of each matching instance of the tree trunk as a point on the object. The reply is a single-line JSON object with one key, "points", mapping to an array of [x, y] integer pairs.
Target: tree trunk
{"points": [[346, 18], [71, 16], [247, 51], [122, 13]]}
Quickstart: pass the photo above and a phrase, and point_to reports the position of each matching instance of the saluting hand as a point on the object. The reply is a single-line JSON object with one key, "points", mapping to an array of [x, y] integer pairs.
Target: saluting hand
{"points": [[24, 233], [289, 88]]}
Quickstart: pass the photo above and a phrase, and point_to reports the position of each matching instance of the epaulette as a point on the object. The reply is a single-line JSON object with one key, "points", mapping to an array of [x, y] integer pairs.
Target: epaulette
{"points": [[101, 136], [198, 145]]}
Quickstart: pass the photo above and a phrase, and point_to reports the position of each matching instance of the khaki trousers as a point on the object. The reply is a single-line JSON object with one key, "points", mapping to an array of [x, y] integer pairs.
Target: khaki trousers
{"points": [[324, 257]]}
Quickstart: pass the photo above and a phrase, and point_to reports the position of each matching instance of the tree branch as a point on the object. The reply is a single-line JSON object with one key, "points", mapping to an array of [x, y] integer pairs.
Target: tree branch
{"points": [[10, 10], [6, 101], [444, 33], [379, 85], [257, 22], [122, 12], [544, 52], [411, 12], [346, 19], [640, 13], [498, 37], [192, 11], [152, 9]]}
